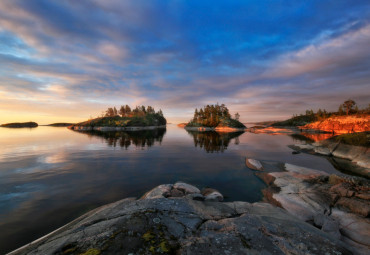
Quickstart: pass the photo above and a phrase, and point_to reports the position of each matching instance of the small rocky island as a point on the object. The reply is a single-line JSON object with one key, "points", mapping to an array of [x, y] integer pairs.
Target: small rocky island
{"points": [[140, 118], [215, 118], [180, 219], [20, 125]]}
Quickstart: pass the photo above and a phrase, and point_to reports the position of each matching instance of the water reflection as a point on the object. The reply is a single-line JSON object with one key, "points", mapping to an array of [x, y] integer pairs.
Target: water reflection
{"points": [[310, 137], [212, 141], [124, 139], [301, 138], [317, 136]]}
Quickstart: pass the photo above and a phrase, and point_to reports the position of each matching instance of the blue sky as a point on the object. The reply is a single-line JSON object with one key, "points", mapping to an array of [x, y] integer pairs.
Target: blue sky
{"points": [[267, 60]]}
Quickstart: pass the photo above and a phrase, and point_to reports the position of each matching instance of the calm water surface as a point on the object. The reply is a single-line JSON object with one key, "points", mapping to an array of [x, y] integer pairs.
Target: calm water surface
{"points": [[50, 175]]}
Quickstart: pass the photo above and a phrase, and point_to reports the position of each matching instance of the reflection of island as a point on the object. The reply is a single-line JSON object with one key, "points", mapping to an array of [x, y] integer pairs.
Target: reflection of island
{"points": [[212, 141], [310, 137], [143, 138]]}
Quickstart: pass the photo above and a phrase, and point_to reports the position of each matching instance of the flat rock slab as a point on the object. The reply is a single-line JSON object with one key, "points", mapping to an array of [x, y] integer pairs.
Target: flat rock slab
{"points": [[186, 226]]}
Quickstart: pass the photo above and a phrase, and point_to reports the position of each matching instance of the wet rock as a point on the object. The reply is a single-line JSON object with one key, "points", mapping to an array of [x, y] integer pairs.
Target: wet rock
{"points": [[212, 195], [296, 152], [186, 188], [254, 164]]}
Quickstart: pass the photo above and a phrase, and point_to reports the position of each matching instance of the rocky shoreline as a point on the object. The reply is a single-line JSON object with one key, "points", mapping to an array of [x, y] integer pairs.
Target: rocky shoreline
{"points": [[179, 219], [358, 155], [338, 205], [103, 129]]}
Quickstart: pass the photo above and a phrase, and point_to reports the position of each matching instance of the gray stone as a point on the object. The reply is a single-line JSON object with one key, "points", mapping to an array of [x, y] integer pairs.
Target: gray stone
{"points": [[186, 188], [185, 226], [331, 226], [313, 196], [160, 191], [176, 193], [212, 195], [196, 196]]}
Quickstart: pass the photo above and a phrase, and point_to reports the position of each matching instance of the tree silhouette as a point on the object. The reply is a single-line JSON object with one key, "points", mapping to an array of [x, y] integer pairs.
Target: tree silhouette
{"points": [[237, 116], [348, 105]]}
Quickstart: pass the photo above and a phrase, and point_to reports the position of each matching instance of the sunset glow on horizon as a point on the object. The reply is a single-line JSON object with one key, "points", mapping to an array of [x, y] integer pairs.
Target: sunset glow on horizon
{"points": [[67, 61]]}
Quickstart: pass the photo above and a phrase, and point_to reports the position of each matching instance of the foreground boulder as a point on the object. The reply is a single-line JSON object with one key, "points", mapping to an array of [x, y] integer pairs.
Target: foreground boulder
{"points": [[182, 225]]}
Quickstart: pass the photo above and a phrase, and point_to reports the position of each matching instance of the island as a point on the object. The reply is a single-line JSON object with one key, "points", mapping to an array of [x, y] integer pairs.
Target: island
{"points": [[20, 125], [140, 118], [215, 118]]}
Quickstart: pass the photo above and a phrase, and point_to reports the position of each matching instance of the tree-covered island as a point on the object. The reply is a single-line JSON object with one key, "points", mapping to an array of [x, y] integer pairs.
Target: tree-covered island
{"points": [[215, 117], [29, 124], [125, 118]]}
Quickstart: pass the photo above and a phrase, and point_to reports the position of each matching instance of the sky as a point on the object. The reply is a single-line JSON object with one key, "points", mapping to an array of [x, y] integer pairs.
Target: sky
{"points": [[67, 61]]}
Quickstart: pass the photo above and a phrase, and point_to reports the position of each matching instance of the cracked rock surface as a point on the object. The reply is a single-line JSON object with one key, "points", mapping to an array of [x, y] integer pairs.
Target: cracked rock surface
{"points": [[157, 224], [338, 205]]}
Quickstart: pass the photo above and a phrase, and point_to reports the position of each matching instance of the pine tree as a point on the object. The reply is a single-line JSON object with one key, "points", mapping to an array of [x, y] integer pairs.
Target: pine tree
{"points": [[109, 112], [348, 105], [340, 110], [128, 110], [237, 116], [122, 111]]}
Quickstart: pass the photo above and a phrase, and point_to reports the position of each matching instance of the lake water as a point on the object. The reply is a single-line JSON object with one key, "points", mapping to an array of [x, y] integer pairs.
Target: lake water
{"points": [[50, 175]]}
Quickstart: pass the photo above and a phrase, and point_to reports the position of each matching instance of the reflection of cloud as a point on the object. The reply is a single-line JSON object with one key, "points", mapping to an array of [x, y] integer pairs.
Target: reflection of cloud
{"points": [[76, 58], [56, 158]]}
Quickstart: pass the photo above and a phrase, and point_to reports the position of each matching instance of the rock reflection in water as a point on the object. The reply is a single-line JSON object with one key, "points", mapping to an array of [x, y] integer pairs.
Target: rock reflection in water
{"points": [[212, 141], [124, 139]]}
